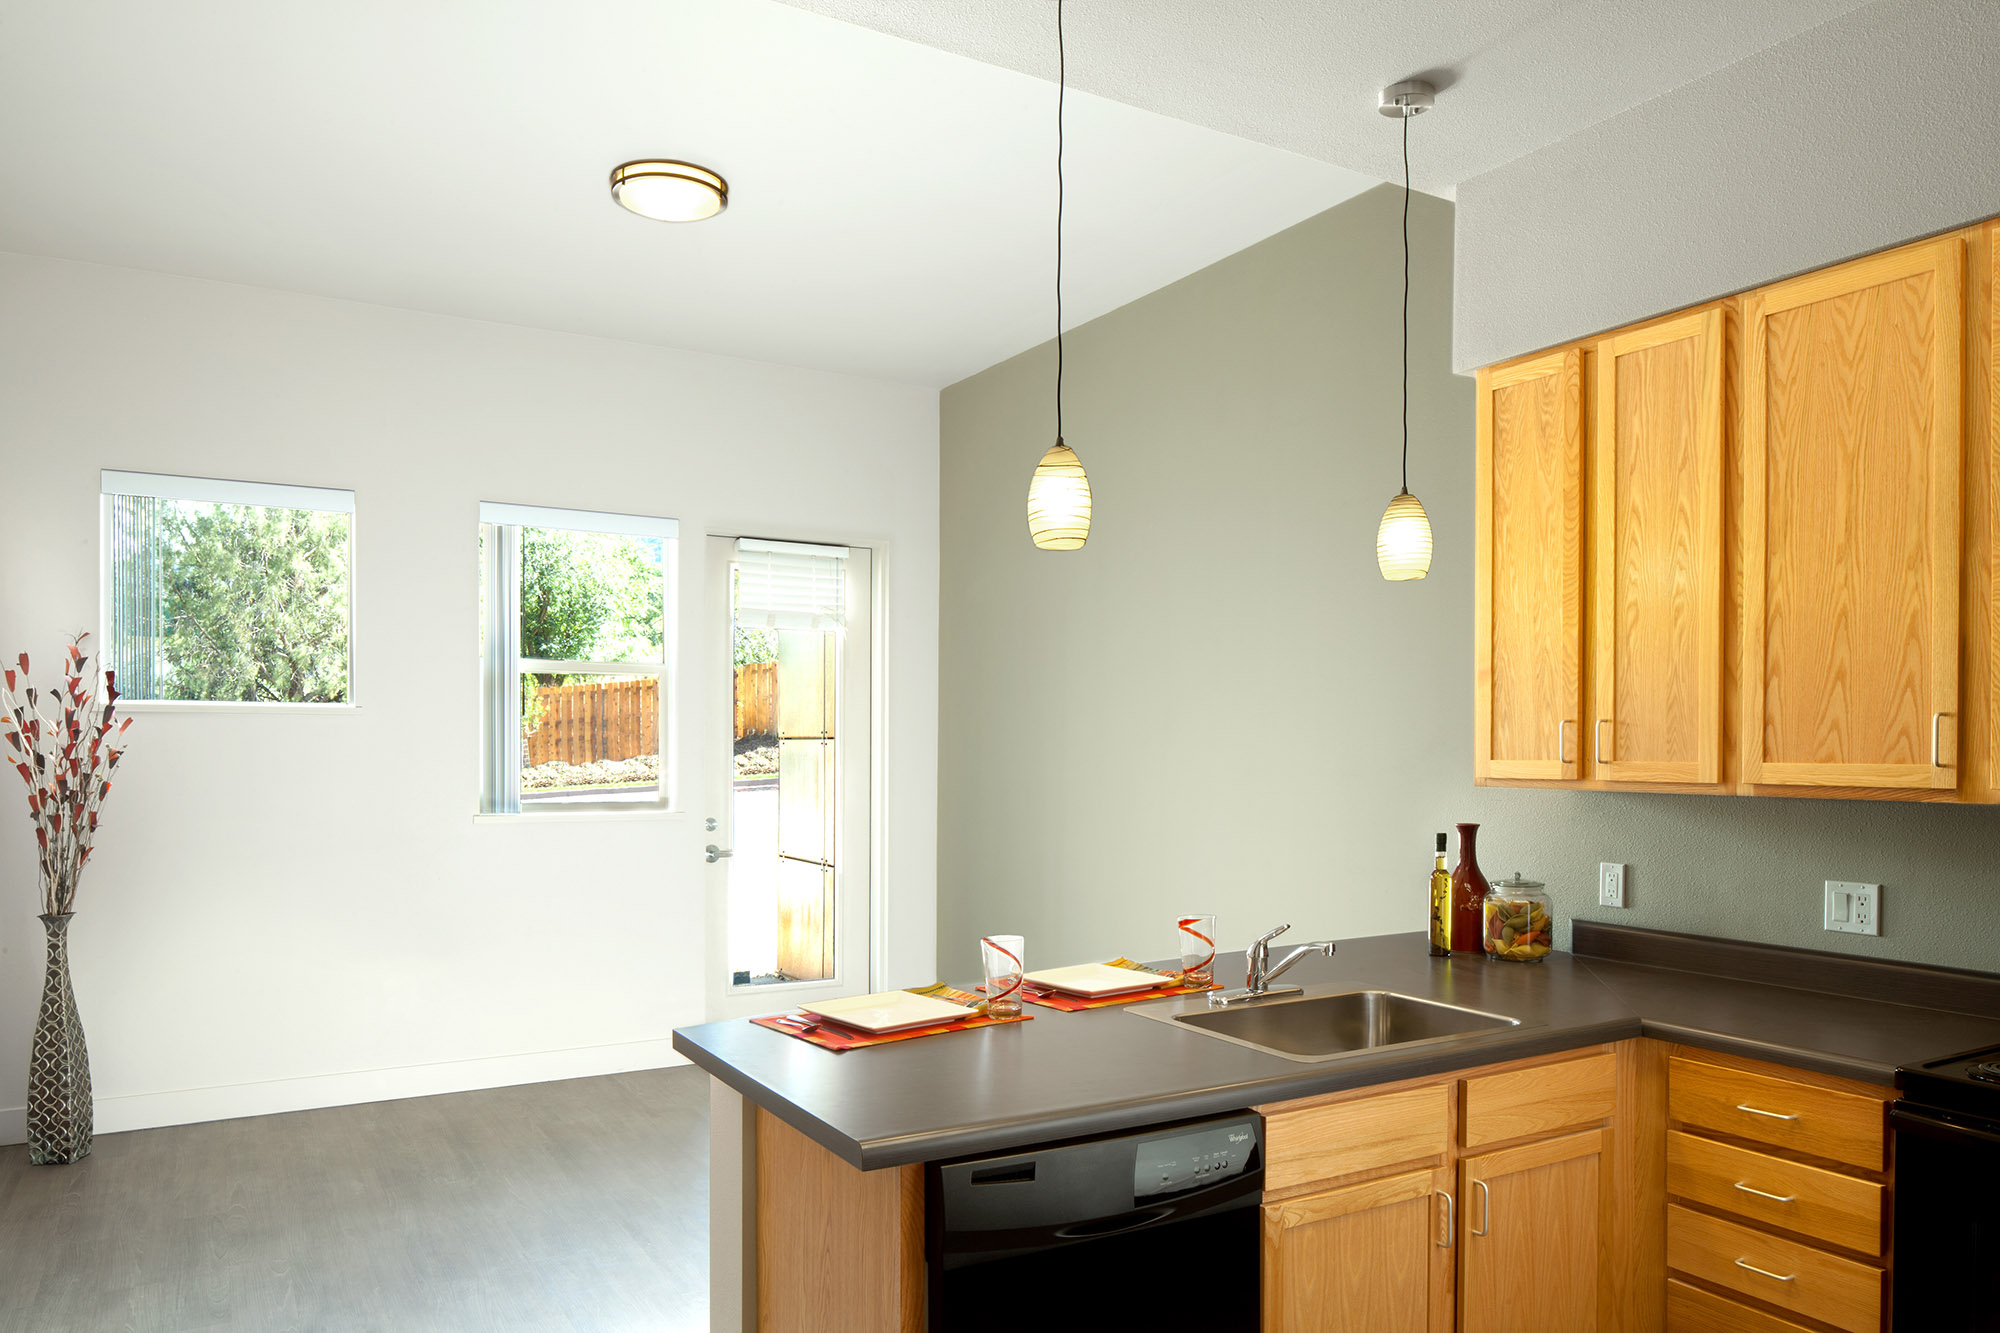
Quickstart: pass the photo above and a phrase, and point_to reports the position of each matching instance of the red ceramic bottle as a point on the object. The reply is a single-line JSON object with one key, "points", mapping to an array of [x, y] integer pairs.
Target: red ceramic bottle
{"points": [[1468, 895]]}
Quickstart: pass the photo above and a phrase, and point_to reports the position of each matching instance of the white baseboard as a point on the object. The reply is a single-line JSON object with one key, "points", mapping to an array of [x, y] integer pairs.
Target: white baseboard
{"points": [[186, 1106]]}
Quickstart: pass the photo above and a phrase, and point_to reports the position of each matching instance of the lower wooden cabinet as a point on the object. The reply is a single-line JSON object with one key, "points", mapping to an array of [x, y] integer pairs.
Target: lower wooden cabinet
{"points": [[1376, 1255], [1484, 1201], [1533, 1223]]}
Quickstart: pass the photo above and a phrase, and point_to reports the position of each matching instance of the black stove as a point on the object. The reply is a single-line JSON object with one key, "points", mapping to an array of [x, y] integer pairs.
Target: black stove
{"points": [[1947, 1126]]}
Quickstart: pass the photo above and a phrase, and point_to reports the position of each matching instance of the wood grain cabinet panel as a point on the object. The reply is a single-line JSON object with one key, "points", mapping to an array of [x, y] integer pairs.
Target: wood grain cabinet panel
{"points": [[1373, 1256], [1656, 634], [1322, 1142], [1697, 1310], [1826, 1205], [1533, 1221], [1798, 1117], [1546, 1099], [1528, 570], [1808, 1281], [1853, 463]]}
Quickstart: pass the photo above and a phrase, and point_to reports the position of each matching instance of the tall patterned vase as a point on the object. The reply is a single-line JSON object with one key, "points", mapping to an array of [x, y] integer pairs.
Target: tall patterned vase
{"points": [[59, 1124]]}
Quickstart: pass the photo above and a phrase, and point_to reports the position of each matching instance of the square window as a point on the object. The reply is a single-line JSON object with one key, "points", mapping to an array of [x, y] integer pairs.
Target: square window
{"points": [[227, 592]]}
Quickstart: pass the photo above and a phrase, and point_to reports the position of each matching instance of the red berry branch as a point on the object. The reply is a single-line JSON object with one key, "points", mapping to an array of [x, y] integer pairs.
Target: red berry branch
{"points": [[63, 743]]}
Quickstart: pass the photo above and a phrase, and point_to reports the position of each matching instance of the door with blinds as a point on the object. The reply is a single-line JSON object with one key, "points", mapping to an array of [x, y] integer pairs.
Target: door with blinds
{"points": [[789, 819]]}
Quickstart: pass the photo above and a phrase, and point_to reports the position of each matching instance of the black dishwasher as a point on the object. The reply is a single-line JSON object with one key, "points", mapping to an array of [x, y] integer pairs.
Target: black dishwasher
{"points": [[1947, 1126], [1161, 1219]]}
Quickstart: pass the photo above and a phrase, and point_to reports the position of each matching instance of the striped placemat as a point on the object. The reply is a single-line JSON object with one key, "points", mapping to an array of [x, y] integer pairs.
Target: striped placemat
{"points": [[833, 1037], [1170, 985]]}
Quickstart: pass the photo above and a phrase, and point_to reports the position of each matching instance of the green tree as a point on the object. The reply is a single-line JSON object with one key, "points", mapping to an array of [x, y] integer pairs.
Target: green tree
{"points": [[254, 603], [587, 596]]}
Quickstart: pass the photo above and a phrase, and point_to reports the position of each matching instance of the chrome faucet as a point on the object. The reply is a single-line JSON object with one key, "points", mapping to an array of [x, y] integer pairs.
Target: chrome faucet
{"points": [[1260, 974]]}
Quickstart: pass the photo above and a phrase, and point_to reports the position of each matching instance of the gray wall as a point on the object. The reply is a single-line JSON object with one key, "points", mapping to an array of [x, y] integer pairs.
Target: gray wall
{"points": [[1219, 705], [1873, 129]]}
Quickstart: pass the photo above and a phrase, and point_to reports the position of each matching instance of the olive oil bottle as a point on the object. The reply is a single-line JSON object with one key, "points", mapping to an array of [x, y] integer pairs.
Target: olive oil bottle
{"points": [[1440, 906]]}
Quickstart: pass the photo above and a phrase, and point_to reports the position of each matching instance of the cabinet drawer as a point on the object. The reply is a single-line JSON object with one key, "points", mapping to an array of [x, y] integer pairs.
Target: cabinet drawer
{"points": [[1797, 1277], [1825, 1205], [1541, 1100], [1840, 1126], [1321, 1142], [1695, 1310]]}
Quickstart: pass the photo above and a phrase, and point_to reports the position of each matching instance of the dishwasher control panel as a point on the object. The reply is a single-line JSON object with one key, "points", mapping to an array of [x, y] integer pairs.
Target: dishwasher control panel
{"points": [[1193, 1158]]}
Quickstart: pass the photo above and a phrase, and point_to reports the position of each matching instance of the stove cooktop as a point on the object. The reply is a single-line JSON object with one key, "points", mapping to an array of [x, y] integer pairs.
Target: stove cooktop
{"points": [[1968, 1081]]}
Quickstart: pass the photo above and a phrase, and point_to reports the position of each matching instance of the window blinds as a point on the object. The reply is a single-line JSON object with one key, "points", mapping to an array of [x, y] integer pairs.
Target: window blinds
{"points": [[788, 585]]}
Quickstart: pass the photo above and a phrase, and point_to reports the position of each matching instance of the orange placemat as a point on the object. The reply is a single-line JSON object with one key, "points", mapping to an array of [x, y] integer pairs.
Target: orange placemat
{"points": [[1069, 1004], [833, 1037]]}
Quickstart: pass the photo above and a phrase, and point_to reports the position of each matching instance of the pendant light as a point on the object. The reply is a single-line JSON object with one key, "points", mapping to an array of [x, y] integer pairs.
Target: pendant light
{"points": [[1403, 542], [1059, 492]]}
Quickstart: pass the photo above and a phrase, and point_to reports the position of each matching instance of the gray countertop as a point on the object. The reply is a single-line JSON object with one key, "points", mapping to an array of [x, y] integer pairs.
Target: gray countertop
{"points": [[1102, 1070]]}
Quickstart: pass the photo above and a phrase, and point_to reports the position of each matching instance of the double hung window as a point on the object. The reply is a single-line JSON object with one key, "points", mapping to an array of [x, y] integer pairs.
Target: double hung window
{"points": [[576, 615]]}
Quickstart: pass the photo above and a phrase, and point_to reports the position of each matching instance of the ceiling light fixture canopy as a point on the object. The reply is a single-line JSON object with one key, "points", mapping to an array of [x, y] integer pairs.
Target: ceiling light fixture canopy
{"points": [[1059, 492], [1403, 542], [669, 191]]}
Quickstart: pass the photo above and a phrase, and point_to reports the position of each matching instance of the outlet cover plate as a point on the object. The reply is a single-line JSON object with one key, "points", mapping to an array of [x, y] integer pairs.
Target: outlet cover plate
{"points": [[1853, 909], [1610, 884]]}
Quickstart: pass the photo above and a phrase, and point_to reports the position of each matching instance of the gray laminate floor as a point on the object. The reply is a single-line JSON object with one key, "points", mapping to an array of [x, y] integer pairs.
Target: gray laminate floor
{"points": [[574, 1205]]}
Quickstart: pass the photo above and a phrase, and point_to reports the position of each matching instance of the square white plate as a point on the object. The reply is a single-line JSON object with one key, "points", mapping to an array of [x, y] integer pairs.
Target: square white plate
{"points": [[890, 1011], [1093, 979]]}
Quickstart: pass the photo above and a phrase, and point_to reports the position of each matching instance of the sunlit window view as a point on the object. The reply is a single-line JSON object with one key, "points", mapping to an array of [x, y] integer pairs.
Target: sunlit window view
{"points": [[227, 592], [787, 627]]}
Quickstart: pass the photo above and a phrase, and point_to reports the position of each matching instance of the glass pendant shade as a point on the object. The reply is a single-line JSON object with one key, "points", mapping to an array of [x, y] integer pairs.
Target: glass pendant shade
{"points": [[1059, 502], [1403, 543]]}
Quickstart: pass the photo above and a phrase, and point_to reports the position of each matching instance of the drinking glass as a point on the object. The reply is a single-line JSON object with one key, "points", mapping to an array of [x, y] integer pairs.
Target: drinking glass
{"points": [[1002, 956], [1197, 932]]}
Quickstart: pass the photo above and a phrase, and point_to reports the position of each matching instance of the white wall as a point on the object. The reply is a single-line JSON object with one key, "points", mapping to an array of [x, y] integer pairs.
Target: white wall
{"points": [[289, 911], [1870, 130]]}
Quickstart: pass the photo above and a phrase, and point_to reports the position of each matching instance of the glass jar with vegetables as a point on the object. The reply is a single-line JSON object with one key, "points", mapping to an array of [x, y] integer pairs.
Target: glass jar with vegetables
{"points": [[1520, 921]]}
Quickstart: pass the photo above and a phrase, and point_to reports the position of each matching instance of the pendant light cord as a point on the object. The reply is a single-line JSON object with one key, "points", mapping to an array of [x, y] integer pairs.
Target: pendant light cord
{"points": [[1406, 307], [1062, 87]]}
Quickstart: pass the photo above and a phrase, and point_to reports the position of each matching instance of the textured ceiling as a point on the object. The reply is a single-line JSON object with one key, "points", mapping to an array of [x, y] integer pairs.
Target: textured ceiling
{"points": [[1305, 74], [892, 206]]}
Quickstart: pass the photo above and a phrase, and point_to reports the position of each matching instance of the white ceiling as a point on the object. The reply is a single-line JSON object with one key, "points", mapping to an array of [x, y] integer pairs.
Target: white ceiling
{"points": [[891, 205], [1306, 75]]}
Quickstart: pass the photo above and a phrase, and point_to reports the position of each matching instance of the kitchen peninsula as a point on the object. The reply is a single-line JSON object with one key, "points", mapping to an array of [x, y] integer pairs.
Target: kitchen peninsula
{"points": [[1599, 1034]]}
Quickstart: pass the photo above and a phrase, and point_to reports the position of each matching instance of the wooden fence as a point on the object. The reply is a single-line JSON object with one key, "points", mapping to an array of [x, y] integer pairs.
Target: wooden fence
{"points": [[619, 719], [757, 699]]}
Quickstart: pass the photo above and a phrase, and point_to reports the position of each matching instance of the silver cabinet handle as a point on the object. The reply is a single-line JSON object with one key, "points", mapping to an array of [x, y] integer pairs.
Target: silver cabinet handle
{"points": [[1485, 1227], [1937, 718], [1774, 1115], [1774, 1198], [1765, 1272], [716, 853], [1562, 741], [1450, 1220], [1597, 741]]}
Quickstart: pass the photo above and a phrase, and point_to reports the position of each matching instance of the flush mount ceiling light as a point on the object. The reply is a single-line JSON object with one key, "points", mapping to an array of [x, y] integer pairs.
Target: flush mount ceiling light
{"points": [[669, 191], [1059, 492], [1403, 542]]}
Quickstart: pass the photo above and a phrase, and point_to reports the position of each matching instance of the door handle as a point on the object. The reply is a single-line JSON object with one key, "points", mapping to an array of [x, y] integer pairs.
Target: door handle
{"points": [[1485, 1227], [1562, 741], [717, 853], [1936, 719], [1450, 1219], [1764, 1194], [1597, 741]]}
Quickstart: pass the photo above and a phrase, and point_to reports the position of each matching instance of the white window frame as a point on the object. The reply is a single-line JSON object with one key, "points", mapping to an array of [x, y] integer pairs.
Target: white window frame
{"points": [[501, 666], [112, 482]]}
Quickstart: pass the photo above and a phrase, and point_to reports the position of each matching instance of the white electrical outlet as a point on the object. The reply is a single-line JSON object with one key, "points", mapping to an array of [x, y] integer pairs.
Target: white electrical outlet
{"points": [[1610, 884], [1853, 909]]}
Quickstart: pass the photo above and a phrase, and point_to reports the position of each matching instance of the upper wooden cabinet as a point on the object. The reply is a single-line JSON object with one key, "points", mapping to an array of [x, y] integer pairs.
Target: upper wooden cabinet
{"points": [[1656, 580], [1853, 464], [1785, 572], [1528, 570]]}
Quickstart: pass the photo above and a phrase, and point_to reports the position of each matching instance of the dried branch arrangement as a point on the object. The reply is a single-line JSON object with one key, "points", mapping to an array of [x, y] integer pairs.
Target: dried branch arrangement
{"points": [[62, 742]]}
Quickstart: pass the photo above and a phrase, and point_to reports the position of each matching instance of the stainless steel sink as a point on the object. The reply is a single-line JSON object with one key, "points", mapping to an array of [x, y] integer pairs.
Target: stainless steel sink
{"points": [[1325, 1027]]}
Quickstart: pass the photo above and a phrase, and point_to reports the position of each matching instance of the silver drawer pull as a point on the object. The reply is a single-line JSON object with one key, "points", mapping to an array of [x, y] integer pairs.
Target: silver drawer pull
{"points": [[1772, 1114], [1765, 1272], [1774, 1198]]}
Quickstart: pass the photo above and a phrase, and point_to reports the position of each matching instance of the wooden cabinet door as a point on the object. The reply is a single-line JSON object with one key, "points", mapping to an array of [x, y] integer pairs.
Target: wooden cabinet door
{"points": [[1373, 1256], [1533, 1221], [1528, 570], [1657, 559], [1853, 459]]}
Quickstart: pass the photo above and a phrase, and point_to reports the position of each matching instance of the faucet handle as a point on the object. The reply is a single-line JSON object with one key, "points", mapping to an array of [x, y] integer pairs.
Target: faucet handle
{"points": [[1271, 934]]}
